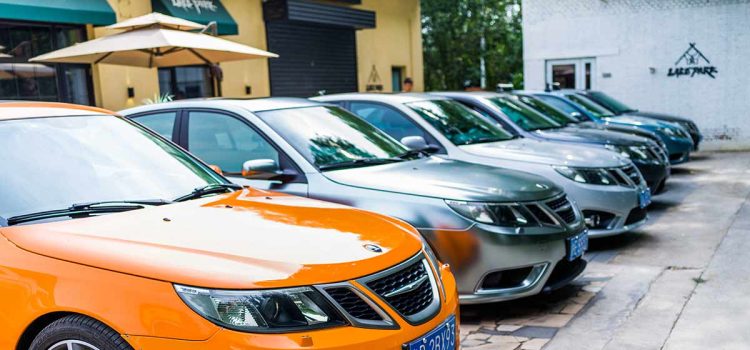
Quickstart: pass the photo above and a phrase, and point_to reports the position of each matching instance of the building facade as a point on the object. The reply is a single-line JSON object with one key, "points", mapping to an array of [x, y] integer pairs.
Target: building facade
{"points": [[324, 47], [678, 57]]}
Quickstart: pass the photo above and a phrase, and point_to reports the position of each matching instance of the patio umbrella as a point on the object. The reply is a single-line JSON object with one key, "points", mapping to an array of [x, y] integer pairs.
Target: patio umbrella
{"points": [[155, 40]]}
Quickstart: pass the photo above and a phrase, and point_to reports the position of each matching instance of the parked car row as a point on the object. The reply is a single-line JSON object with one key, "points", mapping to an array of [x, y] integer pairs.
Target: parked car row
{"points": [[184, 225]]}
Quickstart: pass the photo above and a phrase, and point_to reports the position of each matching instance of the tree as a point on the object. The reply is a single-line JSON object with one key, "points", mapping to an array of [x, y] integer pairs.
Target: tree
{"points": [[452, 32]]}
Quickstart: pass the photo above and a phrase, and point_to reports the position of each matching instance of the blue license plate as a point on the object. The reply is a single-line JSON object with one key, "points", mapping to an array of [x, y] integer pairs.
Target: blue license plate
{"points": [[644, 198], [441, 338], [578, 245]]}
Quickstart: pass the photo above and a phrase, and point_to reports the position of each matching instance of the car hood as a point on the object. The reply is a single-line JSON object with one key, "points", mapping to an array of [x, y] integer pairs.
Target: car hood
{"points": [[640, 121], [448, 179], [549, 153], [589, 135], [244, 240], [661, 116]]}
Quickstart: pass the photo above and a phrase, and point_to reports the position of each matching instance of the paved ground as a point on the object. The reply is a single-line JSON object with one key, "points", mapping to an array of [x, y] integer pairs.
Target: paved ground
{"points": [[681, 282]]}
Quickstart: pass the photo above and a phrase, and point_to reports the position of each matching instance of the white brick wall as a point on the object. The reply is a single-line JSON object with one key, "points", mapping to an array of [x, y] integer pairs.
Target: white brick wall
{"points": [[629, 37]]}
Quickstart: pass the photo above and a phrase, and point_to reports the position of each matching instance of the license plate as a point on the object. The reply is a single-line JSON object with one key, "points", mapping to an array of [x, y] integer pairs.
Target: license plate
{"points": [[441, 338], [577, 245], [644, 198]]}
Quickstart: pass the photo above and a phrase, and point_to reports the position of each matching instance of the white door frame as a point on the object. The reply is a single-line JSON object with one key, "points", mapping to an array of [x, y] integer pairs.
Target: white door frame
{"points": [[580, 74]]}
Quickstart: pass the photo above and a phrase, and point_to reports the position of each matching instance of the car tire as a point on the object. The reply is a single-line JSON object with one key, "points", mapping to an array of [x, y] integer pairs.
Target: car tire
{"points": [[83, 332]]}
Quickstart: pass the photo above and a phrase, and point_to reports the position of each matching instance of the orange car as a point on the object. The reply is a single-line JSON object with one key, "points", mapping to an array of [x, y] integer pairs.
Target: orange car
{"points": [[112, 238]]}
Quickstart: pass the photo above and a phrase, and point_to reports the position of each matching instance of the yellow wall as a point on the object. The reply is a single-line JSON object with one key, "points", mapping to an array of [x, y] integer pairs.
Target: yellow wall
{"points": [[396, 41]]}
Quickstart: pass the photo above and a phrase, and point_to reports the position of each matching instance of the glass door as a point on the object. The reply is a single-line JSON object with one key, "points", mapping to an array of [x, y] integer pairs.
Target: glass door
{"points": [[571, 73]]}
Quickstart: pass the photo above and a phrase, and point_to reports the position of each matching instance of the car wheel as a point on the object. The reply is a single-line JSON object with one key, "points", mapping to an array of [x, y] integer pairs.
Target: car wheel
{"points": [[78, 333]]}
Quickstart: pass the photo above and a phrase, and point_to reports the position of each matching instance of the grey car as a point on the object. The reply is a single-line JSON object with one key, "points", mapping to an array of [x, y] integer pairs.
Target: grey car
{"points": [[506, 234], [608, 187]]}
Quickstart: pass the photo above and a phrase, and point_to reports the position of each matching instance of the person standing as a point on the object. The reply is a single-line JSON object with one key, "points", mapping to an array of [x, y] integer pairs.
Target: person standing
{"points": [[408, 85]]}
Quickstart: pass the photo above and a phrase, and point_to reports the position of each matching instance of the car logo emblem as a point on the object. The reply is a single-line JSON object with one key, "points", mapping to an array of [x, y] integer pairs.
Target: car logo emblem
{"points": [[373, 248]]}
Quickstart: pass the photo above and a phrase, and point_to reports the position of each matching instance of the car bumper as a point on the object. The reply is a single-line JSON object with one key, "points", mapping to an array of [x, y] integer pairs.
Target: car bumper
{"points": [[481, 252], [679, 149], [346, 337], [607, 210]]}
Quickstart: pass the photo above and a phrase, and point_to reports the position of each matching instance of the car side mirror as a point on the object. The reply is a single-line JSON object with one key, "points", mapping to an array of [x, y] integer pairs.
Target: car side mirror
{"points": [[414, 142], [418, 143], [575, 115], [265, 169]]}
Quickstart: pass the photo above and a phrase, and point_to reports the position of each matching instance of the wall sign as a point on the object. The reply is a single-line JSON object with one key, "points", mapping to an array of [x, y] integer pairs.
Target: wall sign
{"points": [[374, 84], [195, 5], [693, 62]]}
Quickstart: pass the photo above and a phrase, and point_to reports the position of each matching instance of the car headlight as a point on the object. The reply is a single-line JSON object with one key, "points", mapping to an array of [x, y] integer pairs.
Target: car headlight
{"points": [[262, 311], [587, 176], [507, 215], [632, 152]]}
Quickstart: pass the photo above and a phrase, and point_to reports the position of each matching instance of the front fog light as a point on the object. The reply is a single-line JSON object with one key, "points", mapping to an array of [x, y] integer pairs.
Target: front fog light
{"points": [[262, 311]]}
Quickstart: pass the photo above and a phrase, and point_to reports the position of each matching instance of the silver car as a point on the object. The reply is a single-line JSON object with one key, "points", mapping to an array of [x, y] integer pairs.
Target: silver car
{"points": [[608, 188], [506, 234]]}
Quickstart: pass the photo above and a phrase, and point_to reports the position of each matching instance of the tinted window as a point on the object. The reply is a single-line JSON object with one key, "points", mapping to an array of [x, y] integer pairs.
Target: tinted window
{"points": [[609, 102], [544, 108], [590, 106], [521, 115], [160, 123], [565, 106], [226, 141], [458, 123], [386, 119], [330, 135], [53, 163]]}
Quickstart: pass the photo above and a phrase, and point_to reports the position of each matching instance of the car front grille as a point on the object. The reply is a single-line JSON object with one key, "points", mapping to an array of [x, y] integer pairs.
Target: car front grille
{"points": [[353, 304], [563, 208], [408, 291], [627, 176]]}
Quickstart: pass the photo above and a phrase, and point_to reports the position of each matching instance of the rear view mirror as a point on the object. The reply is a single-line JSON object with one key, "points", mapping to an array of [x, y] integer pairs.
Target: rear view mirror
{"points": [[414, 142], [265, 169], [418, 143]]}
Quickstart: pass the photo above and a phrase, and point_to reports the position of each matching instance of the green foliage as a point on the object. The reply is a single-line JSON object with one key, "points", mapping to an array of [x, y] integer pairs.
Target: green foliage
{"points": [[452, 32]]}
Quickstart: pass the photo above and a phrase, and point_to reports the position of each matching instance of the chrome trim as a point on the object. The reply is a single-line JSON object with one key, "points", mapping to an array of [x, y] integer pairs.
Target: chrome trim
{"points": [[422, 316], [537, 272], [387, 321]]}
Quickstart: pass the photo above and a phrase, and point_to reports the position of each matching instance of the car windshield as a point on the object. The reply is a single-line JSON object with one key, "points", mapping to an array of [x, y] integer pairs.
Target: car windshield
{"points": [[590, 106], [458, 123], [523, 116], [329, 136], [568, 107], [610, 103], [548, 110], [54, 163]]}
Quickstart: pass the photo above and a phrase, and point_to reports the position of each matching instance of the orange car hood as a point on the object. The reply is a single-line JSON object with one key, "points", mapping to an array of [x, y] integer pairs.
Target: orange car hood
{"points": [[247, 239]]}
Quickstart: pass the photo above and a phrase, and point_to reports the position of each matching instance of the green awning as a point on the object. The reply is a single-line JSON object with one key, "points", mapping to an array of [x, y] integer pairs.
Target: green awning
{"points": [[203, 11], [96, 12]]}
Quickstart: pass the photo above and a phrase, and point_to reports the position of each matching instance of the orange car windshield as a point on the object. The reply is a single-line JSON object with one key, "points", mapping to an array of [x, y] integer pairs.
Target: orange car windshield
{"points": [[53, 163]]}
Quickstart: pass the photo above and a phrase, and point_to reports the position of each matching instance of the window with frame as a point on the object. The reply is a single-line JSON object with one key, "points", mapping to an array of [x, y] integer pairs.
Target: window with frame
{"points": [[186, 82], [390, 121], [161, 123], [225, 141], [24, 80]]}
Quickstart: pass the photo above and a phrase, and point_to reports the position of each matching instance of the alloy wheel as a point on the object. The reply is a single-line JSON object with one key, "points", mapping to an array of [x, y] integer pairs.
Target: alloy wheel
{"points": [[72, 345]]}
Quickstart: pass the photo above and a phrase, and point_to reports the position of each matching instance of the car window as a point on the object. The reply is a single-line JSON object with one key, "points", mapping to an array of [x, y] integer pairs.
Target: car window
{"points": [[225, 141], [160, 123], [609, 102], [591, 106], [544, 108], [458, 123], [559, 103], [523, 116], [328, 136], [386, 119], [53, 163]]}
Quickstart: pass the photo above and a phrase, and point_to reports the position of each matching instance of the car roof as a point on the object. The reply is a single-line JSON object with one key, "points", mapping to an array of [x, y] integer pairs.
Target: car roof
{"points": [[398, 98], [250, 104], [484, 94], [28, 109]]}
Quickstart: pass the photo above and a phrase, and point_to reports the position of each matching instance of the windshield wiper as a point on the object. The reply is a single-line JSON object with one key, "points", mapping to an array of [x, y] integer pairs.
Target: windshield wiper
{"points": [[358, 162], [486, 140], [208, 189], [86, 209]]}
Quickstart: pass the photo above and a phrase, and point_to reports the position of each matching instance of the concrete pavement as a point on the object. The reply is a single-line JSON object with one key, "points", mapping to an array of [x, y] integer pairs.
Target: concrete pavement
{"points": [[680, 282]]}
